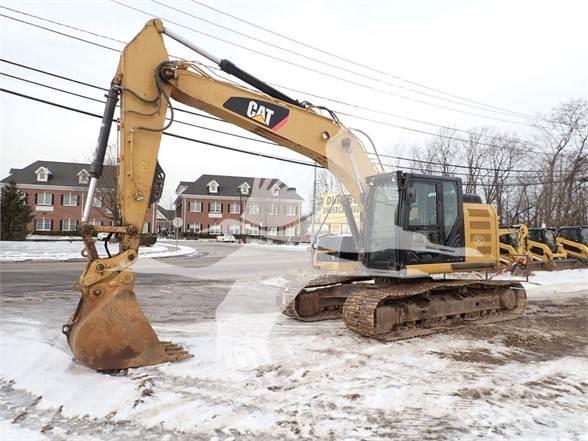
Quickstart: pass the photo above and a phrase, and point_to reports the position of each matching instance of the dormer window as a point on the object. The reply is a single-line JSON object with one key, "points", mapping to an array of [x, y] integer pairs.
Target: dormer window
{"points": [[212, 187], [244, 187], [42, 174], [276, 190], [83, 177]]}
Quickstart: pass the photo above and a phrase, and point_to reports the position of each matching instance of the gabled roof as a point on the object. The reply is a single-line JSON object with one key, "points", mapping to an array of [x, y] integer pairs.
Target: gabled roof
{"points": [[63, 174], [230, 186], [168, 214]]}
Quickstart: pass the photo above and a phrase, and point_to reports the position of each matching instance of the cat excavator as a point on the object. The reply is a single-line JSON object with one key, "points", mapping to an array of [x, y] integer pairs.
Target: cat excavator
{"points": [[415, 228]]}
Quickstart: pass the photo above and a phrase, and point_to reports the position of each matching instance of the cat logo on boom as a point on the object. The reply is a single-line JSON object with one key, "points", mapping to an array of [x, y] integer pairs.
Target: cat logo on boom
{"points": [[270, 115]]}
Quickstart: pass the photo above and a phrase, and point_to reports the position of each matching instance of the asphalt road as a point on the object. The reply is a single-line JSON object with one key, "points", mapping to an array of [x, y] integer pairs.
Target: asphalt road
{"points": [[215, 261]]}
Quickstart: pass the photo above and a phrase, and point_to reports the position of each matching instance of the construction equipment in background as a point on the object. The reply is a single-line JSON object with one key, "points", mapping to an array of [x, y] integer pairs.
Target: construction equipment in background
{"points": [[574, 241], [513, 248], [413, 226], [543, 248]]}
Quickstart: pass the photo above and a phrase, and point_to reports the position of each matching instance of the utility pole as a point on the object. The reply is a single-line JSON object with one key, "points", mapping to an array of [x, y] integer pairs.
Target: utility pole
{"points": [[312, 235]]}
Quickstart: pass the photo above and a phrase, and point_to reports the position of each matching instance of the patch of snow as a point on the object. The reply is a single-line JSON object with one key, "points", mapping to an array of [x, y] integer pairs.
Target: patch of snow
{"points": [[277, 281], [13, 432], [41, 237], [18, 251], [285, 246]]}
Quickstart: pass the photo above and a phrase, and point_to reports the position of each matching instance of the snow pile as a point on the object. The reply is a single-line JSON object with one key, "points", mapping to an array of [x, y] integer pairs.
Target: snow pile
{"points": [[18, 251]]}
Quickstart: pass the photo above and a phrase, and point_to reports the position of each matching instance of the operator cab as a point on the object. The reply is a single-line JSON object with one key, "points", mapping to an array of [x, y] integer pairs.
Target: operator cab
{"points": [[413, 219], [575, 234], [547, 236]]}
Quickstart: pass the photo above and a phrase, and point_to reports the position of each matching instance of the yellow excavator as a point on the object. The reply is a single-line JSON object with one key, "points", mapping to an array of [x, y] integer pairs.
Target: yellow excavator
{"points": [[413, 226]]}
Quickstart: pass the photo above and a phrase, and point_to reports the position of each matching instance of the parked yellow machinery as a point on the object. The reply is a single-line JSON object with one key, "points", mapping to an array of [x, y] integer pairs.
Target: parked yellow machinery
{"points": [[513, 247], [574, 241]]}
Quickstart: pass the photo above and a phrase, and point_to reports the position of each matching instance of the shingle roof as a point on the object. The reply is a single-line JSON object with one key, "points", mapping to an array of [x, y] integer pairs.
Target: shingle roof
{"points": [[169, 214], [63, 174], [229, 186]]}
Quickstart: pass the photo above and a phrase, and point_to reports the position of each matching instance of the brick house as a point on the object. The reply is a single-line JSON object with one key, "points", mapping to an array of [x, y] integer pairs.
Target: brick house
{"points": [[56, 192], [164, 218], [217, 204]]}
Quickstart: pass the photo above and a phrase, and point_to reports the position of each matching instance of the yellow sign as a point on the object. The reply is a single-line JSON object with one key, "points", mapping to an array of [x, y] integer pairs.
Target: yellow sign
{"points": [[336, 215]]}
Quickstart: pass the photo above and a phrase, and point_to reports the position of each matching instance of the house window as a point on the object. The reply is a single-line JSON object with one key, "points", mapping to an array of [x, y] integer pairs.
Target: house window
{"points": [[214, 230], [44, 198], [83, 177], [272, 231], [96, 202], [42, 174], [235, 229], [43, 224], [244, 188], [291, 210], [290, 231], [69, 224], [215, 207], [276, 190], [235, 208], [274, 209], [194, 228], [212, 187], [253, 208], [69, 200], [252, 230], [195, 207]]}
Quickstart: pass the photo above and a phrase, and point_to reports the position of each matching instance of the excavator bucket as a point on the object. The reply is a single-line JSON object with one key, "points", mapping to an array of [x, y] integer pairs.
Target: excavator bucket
{"points": [[109, 331]]}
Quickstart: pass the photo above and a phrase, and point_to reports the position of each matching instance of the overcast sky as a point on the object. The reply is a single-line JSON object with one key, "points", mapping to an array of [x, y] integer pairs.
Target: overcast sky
{"points": [[524, 56]]}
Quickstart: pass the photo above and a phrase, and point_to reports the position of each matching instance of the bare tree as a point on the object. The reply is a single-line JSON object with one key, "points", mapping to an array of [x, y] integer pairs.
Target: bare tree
{"points": [[108, 185]]}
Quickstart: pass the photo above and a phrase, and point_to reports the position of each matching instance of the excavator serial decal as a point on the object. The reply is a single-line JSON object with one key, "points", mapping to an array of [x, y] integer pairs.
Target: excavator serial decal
{"points": [[268, 114]]}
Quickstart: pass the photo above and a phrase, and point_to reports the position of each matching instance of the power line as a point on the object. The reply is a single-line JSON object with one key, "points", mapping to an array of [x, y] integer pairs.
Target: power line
{"points": [[310, 69], [259, 154], [173, 135], [278, 85], [331, 65], [63, 34], [233, 134], [347, 60], [62, 24], [343, 113]]}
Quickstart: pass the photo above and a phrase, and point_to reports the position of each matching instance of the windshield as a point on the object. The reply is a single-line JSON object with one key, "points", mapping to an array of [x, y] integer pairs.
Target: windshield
{"points": [[584, 233], [550, 240], [536, 235], [382, 229]]}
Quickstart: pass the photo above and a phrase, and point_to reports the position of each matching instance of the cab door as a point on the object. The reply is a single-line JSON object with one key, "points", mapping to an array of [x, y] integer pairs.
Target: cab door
{"points": [[432, 220]]}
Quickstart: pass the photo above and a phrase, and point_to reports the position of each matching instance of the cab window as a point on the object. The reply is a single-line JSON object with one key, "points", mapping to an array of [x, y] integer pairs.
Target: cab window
{"points": [[450, 206], [423, 205]]}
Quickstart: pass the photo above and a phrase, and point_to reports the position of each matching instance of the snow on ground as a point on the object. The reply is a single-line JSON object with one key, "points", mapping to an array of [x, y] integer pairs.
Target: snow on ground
{"points": [[258, 375], [13, 432], [281, 246], [18, 251]]}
